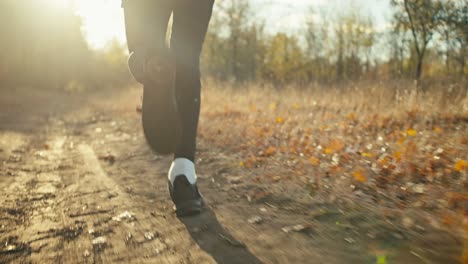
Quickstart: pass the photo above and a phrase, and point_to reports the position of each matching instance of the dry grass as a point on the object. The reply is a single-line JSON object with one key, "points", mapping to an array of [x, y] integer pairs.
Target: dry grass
{"points": [[370, 137]]}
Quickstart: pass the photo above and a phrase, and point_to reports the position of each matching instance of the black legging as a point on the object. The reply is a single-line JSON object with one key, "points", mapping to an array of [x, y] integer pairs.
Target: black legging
{"points": [[146, 22]]}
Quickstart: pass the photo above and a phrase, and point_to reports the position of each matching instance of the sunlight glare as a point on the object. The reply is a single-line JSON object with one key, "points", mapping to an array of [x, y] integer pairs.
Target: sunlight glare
{"points": [[57, 4], [102, 20]]}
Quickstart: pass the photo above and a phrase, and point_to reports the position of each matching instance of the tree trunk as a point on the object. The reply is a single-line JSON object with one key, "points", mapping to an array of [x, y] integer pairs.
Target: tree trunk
{"points": [[419, 68]]}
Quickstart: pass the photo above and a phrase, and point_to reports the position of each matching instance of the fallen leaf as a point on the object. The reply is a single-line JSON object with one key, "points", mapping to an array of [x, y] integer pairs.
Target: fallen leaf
{"points": [[418, 188], [255, 220], [124, 216], [449, 220], [351, 116], [460, 165], [279, 120], [295, 228], [401, 140], [269, 151], [359, 176], [328, 151], [108, 158], [411, 132], [381, 260], [314, 161], [397, 156], [99, 240], [149, 235], [407, 222], [277, 178]]}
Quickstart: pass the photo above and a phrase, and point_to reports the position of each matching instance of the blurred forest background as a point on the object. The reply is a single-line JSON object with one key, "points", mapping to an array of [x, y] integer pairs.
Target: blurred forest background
{"points": [[42, 45], [425, 41]]}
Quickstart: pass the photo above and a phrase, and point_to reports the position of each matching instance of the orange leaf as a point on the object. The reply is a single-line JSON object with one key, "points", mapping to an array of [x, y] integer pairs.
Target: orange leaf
{"points": [[460, 165], [323, 127], [401, 140], [438, 129], [279, 120], [328, 151], [359, 176], [314, 161], [384, 161], [270, 151], [337, 145], [448, 220]]}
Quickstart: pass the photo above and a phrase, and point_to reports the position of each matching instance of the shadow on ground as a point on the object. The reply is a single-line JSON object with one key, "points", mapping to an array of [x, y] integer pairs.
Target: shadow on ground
{"points": [[216, 241]]}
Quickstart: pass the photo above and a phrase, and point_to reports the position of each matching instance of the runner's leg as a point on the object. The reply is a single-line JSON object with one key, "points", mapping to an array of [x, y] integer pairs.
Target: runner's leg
{"points": [[152, 65], [188, 32], [146, 23], [190, 24]]}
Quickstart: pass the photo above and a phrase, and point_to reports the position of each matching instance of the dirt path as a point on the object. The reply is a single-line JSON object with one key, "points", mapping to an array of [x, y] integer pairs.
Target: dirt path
{"points": [[79, 185]]}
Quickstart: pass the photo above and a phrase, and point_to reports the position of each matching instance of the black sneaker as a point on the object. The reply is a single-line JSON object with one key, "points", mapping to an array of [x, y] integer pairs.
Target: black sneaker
{"points": [[136, 64], [186, 197], [160, 119]]}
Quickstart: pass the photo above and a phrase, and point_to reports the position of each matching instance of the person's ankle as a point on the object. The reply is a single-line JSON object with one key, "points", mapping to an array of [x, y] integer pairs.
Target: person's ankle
{"points": [[182, 166], [183, 156]]}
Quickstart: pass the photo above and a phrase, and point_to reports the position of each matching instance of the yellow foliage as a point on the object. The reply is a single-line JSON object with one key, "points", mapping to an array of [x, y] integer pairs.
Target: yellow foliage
{"points": [[279, 120]]}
